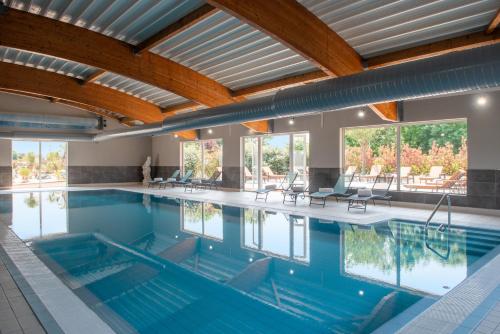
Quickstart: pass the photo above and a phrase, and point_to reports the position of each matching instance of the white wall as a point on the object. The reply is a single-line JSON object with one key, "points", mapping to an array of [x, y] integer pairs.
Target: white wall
{"points": [[115, 152]]}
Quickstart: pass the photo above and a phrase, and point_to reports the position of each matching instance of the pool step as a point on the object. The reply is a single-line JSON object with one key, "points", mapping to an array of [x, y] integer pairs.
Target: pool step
{"points": [[214, 266]]}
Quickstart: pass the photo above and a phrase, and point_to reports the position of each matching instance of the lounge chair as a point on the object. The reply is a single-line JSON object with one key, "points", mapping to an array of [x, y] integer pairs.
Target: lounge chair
{"points": [[154, 182], [206, 184], [359, 202], [172, 178], [351, 170], [374, 173], [405, 173], [438, 184], [286, 184], [293, 193], [263, 193], [434, 173], [183, 180], [341, 189], [269, 174], [288, 181], [248, 174]]}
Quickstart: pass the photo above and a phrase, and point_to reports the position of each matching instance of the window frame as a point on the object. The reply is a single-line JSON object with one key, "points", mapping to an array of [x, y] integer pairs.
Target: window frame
{"points": [[291, 150], [398, 127], [201, 142]]}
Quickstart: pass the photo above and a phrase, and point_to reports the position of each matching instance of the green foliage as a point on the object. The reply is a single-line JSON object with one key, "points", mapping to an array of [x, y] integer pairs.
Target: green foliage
{"points": [[422, 146], [31, 201], [25, 172], [192, 157], [367, 247], [422, 136], [212, 155], [277, 159]]}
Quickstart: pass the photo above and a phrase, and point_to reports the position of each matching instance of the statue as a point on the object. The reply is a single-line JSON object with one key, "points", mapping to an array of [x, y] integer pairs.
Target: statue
{"points": [[146, 171]]}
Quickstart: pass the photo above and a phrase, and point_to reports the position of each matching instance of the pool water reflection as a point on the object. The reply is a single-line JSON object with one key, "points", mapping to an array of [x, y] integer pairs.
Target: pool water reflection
{"points": [[150, 264]]}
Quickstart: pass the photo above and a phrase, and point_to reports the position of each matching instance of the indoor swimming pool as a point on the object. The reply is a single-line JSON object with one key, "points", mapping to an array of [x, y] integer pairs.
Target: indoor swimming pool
{"points": [[152, 264]]}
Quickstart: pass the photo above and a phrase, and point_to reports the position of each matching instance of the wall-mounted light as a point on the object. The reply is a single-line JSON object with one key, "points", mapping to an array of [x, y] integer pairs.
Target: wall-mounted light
{"points": [[481, 101], [361, 113], [361, 293], [176, 135], [291, 121], [250, 259], [210, 247], [291, 272], [210, 131]]}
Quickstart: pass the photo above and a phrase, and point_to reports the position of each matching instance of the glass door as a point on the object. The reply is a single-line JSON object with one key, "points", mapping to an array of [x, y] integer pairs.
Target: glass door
{"points": [[36, 163], [275, 158], [251, 157], [268, 159], [53, 162], [25, 163], [301, 157]]}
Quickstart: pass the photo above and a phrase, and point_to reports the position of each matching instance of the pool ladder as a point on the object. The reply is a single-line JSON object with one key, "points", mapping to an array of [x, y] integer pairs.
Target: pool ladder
{"points": [[441, 227]]}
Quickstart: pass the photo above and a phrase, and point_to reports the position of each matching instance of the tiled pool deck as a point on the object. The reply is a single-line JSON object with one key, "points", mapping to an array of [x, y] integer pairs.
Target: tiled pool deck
{"points": [[16, 316], [471, 307]]}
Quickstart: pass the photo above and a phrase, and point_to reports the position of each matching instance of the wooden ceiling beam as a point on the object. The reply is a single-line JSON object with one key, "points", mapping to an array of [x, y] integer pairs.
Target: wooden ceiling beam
{"points": [[174, 109], [188, 134], [26, 31], [494, 23], [461, 43], [93, 77], [282, 83], [182, 24], [259, 126], [293, 25], [19, 78]]}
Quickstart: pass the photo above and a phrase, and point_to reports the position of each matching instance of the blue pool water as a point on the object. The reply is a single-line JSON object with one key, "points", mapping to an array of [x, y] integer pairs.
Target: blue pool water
{"points": [[149, 264]]}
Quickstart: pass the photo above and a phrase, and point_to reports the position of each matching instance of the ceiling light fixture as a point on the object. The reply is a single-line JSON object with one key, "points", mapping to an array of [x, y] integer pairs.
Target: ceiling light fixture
{"points": [[361, 113], [291, 121], [481, 101], [210, 131]]}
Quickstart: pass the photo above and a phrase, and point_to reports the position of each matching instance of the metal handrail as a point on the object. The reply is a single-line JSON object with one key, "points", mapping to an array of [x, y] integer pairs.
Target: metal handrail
{"points": [[436, 208]]}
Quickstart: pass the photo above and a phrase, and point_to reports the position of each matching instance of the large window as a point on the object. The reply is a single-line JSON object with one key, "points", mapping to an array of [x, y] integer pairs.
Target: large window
{"points": [[268, 159], [203, 157], [428, 157], [36, 163]]}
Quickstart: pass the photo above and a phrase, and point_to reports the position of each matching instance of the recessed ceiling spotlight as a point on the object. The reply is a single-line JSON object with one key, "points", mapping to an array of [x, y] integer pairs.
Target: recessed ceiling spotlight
{"points": [[291, 121], [361, 113], [481, 101], [176, 135], [210, 131]]}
